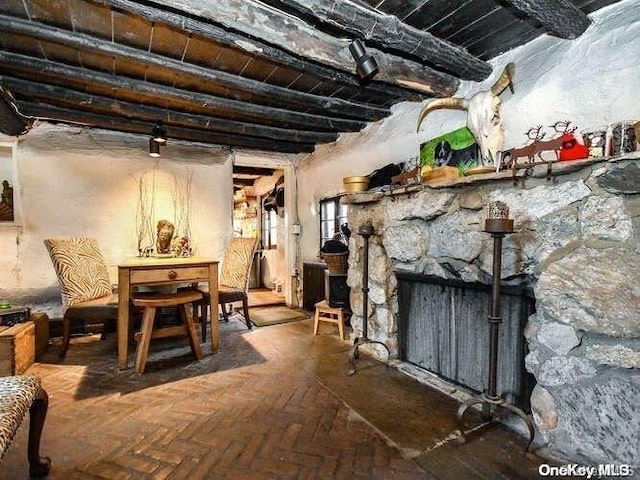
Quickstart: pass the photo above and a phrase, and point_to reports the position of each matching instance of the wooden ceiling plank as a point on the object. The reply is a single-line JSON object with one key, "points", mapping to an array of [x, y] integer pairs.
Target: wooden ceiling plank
{"points": [[559, 17], [389, 33], [273, 92], [55, 95], [109, 122], [258, 20], [443, 85], [13, 62]]}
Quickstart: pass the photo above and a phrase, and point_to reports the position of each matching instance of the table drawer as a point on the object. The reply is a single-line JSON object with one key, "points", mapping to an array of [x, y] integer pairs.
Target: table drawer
{"points": [[181, 274]]}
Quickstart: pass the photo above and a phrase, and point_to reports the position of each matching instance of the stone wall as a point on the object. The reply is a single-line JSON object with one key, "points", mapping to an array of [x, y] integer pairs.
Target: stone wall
{"points": [[577, 243]]}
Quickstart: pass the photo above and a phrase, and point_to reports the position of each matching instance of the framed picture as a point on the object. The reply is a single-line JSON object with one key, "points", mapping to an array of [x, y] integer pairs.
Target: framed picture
{"points": [[450, 149]]}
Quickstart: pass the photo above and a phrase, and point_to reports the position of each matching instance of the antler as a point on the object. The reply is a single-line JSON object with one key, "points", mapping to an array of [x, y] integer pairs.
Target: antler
{"points": [[536, 132], [564, 124]]}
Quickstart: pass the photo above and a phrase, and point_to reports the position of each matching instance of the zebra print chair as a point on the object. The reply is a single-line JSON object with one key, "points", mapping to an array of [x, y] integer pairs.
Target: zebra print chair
{"points": [[19, 394], [84, 284], [233, 283]]}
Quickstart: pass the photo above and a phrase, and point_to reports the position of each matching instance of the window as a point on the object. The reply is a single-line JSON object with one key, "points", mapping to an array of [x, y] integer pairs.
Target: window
{"points": [[269, 230], [332, 215]]}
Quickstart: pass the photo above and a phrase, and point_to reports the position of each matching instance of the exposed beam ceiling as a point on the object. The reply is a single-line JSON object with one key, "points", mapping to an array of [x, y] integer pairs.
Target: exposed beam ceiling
{"points": [[273, 75]]}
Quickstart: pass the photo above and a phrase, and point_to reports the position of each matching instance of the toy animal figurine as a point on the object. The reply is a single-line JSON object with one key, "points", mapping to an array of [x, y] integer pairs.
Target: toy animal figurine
{"points": [[536, 147], [568, 146], [573, 146], [410, 173], [484, 115]]}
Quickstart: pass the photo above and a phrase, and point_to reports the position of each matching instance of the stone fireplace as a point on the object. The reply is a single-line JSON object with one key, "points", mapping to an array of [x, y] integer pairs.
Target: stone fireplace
{"points": [[576, 247]]}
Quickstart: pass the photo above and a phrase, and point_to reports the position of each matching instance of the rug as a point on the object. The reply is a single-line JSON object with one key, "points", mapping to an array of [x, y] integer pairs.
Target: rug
{"points": [[263, 316]]}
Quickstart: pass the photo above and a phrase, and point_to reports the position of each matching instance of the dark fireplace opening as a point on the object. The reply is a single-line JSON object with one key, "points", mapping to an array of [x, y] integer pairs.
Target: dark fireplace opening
{"points": [[443, 327]]}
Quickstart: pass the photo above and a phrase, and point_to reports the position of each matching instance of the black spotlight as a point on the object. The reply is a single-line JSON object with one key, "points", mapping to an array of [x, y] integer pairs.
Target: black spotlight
{"points": [[159, 134], [366, 65], [154, 148]]}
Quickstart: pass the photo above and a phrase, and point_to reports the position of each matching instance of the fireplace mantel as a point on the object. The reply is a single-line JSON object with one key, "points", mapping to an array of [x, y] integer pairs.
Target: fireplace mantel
{"points": [[577, 245], [521, 177]]}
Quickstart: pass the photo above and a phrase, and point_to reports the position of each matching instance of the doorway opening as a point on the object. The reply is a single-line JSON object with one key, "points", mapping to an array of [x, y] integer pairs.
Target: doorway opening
{"points": [[258, 211]]}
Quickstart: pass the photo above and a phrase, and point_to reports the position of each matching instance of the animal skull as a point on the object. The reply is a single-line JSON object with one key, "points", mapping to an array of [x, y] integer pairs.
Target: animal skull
{"points": [[484, 117]]}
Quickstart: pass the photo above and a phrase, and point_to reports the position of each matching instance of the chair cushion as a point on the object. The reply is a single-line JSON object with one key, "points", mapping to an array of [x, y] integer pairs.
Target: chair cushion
{"points": [[81, 269], [230, 295], [17, 393], [237, 263], [98, 309]]}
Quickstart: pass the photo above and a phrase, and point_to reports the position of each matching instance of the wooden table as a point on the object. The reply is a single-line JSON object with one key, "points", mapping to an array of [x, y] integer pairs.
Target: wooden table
{"points": [[142, 271]]}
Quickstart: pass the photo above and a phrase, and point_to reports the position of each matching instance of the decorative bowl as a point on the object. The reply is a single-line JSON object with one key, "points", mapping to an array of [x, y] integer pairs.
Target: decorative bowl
{"points": [[355, 184]]}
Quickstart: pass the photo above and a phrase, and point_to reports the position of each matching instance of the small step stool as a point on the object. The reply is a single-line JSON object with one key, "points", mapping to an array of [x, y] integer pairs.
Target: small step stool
{"points": [[150, 303], [325, 313]]}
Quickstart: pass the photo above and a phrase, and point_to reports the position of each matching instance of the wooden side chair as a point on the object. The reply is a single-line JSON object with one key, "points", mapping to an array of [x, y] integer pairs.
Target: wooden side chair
{"points": [[84, 284], [233, 284], [151, 302]]}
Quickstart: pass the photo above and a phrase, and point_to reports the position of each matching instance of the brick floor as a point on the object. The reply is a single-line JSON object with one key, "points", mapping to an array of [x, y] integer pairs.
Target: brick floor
{"points": [[275, 403]]}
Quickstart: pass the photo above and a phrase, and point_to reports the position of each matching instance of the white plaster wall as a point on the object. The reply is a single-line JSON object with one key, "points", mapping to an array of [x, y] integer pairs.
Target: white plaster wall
{"points": [[77, 182], [591, 81]]}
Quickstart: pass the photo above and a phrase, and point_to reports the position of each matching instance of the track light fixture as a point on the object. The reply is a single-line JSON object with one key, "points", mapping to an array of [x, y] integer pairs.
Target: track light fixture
{"points": [[154, 148], [366, 65], [159, 134]]}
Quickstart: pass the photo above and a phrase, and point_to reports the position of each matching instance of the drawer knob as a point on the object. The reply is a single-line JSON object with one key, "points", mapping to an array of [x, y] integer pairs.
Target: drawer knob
{"points": [[172, 274]]}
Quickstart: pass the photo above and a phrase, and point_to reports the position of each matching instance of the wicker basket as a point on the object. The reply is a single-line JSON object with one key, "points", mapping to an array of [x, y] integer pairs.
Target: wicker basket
{"points": [[337, 262]]}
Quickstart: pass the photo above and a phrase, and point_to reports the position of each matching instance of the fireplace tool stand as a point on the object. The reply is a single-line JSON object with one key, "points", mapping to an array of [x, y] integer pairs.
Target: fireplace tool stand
{"points": [[498, 228], [366, 231]]}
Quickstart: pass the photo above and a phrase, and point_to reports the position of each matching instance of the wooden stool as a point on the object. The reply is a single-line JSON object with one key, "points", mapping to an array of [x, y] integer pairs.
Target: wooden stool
{"points": [[151, 302], [325, 313]]}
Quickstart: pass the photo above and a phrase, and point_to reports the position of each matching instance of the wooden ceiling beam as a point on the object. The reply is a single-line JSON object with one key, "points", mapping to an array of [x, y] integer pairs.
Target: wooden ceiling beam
{"points": [[100, 105], [443, 85], [74, 117], [264, 91], [12, 62], [256, 19], [559, 17], [11, 123], [388, 33], [241, 170], [243, 182]]}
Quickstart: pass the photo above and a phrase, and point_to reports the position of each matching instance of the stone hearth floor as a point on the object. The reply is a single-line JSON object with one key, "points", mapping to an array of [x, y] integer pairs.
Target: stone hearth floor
{"points": [[274, 403]]}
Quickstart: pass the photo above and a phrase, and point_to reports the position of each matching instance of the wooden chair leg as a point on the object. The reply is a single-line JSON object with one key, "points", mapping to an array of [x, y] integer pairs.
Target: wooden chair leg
{"points": [[38, 466], [316, 322], [204, 316], [245, 311], [145, 338], [192, 335], [225, 315], [341, 325], [66, 337]]}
